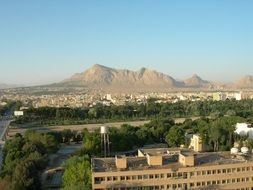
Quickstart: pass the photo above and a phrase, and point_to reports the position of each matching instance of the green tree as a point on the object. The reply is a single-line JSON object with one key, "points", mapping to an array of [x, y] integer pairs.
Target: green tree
{"points": [[77, 173], [25, 176], [175, 137]]}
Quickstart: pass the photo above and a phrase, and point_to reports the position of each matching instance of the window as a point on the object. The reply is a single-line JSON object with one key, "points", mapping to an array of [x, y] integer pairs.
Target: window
{"points": [[162, 175], [134, 177], [151, 176], [109, 178], [156, 176], [115, 178], [139, 176], [98, 180], [198, 184], [218, 171], [145, 176], [128, 177], [122, 177], [228, 170], [169, 175], [223, 181], [214, 171], [238, 169], [213, 182], [208, 172], [185, 175], [203, 172], [224, 171], [198, 173]]}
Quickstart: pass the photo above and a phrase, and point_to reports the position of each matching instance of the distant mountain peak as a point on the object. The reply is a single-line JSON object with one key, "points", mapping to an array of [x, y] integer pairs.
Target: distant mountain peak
{"points": [[99, 76], [244, 82], [195, 76], [98, 66], [196, 81]]}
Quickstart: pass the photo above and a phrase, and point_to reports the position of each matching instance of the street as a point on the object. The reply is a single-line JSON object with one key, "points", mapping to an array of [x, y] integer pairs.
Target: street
{"points": [[3, 128]]}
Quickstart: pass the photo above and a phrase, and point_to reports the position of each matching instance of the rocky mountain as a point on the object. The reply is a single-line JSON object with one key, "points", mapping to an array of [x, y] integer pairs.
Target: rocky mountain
{"points": [[101, 77], [196, 82], [244, 82]]}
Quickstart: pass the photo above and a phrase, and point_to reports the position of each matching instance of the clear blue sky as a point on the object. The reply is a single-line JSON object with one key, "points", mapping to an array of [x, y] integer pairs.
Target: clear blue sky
{"points": [[49, 40]]}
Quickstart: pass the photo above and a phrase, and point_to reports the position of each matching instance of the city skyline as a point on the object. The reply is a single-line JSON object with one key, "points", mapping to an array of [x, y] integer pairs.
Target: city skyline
{"points": [[45, 42]]}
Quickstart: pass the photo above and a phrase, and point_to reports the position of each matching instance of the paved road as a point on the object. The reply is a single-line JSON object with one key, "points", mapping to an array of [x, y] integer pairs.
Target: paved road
{"points": [[3, 127]]}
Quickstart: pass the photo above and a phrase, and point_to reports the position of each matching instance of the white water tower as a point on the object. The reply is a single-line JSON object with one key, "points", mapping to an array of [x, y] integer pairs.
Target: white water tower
{"points": [[105, 142]]}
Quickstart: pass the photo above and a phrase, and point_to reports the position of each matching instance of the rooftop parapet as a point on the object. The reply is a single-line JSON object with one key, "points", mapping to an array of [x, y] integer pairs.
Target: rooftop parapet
{"points": [[121, 161], [154, 160]]}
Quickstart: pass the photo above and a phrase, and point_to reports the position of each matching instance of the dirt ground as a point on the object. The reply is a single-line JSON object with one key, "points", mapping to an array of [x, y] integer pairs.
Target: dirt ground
{"points": [[90, 127]]}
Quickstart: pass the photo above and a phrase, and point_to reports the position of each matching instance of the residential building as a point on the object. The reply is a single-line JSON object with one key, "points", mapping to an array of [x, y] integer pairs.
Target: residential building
{"points": [[219, 96], [196, 143]]}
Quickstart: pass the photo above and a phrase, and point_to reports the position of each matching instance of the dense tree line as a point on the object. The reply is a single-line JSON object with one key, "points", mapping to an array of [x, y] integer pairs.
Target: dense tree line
{"points": [[98, 113], [217, 133], [24, 157]]}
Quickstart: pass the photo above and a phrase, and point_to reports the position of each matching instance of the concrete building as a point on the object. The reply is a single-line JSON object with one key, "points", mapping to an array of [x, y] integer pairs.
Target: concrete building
{"points": [[180, 169], [196, 143], [18, 113], [244, 129], [238, 96], [219, 96]]}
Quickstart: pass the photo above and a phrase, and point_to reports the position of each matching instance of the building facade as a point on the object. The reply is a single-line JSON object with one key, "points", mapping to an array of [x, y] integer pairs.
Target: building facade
{"points": [[174, 169]]}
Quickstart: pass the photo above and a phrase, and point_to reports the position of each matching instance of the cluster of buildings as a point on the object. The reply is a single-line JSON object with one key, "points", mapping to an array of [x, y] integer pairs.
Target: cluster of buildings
{"points": [[90, 99], [222, 96]]}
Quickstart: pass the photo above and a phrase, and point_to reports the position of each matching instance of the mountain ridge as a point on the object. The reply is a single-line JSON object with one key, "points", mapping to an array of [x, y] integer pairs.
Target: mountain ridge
{"points": [[99, 76]]}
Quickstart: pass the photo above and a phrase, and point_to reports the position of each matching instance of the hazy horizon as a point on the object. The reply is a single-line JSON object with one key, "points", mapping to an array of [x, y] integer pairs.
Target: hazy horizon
{"points": [[47, 41]]}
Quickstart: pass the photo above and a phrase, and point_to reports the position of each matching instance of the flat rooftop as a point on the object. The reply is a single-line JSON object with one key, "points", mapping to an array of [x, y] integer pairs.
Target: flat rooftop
{"points": [[170, 161], [160, 151]]}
